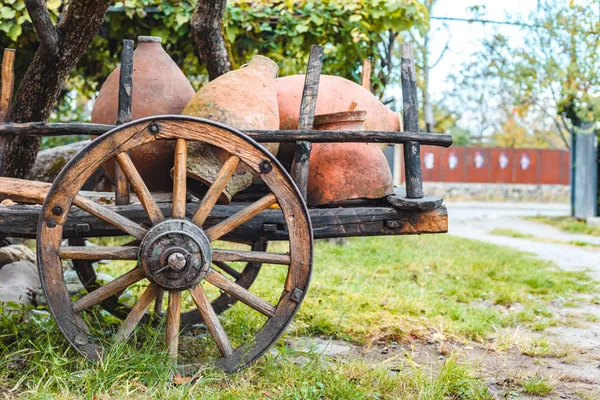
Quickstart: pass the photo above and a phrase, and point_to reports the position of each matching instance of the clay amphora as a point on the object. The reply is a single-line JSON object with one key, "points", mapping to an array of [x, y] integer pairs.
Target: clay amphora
{"points": [[159, 87], [243, 99], [343, 171], [336, 94]]}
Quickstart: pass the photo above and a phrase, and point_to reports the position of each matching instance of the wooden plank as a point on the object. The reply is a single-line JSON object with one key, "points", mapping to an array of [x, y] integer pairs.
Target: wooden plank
{"points": [[261, 136], [173, 322], [8, 82], [412, 149], [308, 105], [122, 192], [111, 288], [54, 129], [179, 178], [23, 191], [240, 293], [21, 221], [211, 320], [251, 256]]}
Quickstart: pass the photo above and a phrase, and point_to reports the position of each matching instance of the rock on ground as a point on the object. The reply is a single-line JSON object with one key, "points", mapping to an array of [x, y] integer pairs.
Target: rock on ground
{"points": [[18, 282]]}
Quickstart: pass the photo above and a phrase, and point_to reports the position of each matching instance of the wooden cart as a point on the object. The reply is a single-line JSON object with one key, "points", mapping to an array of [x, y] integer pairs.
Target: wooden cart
{"points": [[176, 244]]}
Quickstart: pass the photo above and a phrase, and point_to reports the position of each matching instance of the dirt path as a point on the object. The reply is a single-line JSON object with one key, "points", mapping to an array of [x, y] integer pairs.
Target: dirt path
{"points": [[477, 220], [577, 372]]}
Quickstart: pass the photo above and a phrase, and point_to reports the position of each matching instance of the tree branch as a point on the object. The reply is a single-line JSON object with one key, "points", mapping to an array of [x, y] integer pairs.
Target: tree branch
{"points": [[554, 119], [442, 53], [44, 79], [45, 29]]}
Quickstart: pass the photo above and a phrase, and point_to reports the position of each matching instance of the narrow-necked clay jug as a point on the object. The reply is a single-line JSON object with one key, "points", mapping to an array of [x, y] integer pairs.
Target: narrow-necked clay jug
{"points": [[343, 171], [336, 94], [159, 87], [243, 99]]}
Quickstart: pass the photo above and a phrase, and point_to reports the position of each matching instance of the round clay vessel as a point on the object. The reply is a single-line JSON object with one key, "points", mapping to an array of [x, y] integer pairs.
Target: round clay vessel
{"points": [[336, 94], [243, 99], [159, 87], [344, 171]]}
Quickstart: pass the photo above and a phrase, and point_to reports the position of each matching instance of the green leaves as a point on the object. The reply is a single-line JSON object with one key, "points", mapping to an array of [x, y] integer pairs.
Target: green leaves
{"points": [[14, 32], [7, 13], [301, 28]]}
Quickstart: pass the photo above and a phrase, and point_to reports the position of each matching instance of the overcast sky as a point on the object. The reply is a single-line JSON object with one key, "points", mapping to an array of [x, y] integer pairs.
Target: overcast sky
{"points": [[465, 38]]}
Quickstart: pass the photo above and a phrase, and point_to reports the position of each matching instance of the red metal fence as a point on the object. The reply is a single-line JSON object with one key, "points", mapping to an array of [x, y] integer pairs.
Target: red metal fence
{"points": [[494, 165]]}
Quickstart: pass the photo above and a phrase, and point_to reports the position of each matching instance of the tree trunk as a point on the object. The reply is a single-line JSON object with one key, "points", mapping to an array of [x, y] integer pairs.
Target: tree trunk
{"points": [[61, 47], [207, 26]]}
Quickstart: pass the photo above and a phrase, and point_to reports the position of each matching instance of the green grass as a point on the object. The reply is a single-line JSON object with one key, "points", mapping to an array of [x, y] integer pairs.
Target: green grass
{"points": [[537, 385], [511, 233], [520, 235], [390, 289], [568, 224], [540, 347]]}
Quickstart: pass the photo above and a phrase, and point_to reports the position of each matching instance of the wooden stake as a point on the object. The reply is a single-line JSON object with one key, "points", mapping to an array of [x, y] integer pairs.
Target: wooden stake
{"points": [[122, 193], [8, 82], [307, 115], [365, 76], [412, 149]]}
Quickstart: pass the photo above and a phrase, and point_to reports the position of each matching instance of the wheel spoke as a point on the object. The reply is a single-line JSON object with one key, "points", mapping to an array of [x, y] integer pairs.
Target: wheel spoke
{"points": [[113, 218], [211, 320], [136, 313], [111, 288], [140, 188], [251, 256], [179, 179], [215, 190], [235, 274], [97, 253], [240, 293], [237, 219], [122, 194], [158, 302], [173, 322]]}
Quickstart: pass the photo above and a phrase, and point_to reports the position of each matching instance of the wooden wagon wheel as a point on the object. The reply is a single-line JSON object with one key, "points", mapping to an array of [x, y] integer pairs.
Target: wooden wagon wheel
{"points": [[244, 277], [175, 254]]}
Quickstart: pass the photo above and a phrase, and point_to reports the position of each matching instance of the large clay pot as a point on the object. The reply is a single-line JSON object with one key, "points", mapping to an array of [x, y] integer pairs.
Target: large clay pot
{"points": [[344, 171], [159, 87], [336, 94], [244, 99]]}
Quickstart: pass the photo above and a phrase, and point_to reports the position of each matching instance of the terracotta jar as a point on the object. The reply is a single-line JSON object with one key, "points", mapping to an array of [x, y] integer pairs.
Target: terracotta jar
{"points": [[336, 94], [243, 99], [159, 87], [343, 171]]}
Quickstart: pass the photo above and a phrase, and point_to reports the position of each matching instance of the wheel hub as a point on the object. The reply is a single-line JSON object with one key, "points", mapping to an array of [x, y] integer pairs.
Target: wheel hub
{"points": [[175, 254]]}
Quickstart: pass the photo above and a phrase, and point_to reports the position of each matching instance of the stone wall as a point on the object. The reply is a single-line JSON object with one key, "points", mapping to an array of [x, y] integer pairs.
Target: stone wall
{"points": [[499, 192]]}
